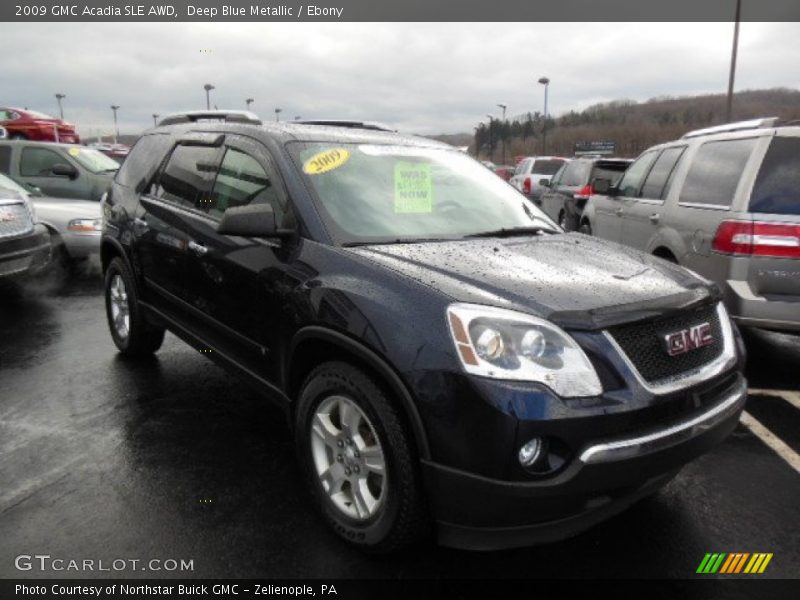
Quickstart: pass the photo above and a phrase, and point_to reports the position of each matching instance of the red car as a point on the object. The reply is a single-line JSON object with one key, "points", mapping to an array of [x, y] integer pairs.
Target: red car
{"points": [[505, 171], [36, 126]]}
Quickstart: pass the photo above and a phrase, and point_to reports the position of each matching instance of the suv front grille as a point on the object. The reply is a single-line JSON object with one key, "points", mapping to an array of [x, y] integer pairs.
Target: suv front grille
{"points": [[14, 220], [645, 346]]}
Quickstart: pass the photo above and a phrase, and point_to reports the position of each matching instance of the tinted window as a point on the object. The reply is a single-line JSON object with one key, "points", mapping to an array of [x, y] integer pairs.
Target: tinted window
{"points": [[5, 159], [242, 181], [611, 171], [143, 161], [777, 188], [715, 172], [655, 185], [38, 162], [546, 167], [631, 182], [186, 180]]}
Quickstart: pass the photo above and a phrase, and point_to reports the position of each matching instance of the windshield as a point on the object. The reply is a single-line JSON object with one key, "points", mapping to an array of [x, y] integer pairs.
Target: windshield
{"points": [[376, 193], [10, 184], [95, 161]]}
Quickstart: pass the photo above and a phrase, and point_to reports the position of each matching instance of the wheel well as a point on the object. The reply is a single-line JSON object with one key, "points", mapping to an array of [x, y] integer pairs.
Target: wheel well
{"points": [[313, 351], [108, 252], [665, 253]]}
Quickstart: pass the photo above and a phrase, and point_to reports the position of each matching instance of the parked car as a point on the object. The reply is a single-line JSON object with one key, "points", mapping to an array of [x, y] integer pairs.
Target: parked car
{"points": [[723, 202], [24, 244], [59, 170], [504, 171], [23, 124], [534, 173], [569, 189], [74, 226], [445, 354]]}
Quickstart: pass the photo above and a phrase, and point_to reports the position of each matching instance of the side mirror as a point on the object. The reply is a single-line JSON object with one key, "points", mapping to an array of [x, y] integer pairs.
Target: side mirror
{"points": [[64, 170], [603, 186], [255, 220], [544, 182]]}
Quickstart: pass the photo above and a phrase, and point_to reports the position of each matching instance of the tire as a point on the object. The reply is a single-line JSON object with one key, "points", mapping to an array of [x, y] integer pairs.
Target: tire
{"points": [[391, 514], [139, 337], [17, 136], [585, 228], [562, 220]]}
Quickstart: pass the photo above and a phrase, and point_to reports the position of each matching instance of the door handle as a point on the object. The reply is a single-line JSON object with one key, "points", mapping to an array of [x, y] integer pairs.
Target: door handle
{"points": [[655, 218], [197, 248], [619, 212]]}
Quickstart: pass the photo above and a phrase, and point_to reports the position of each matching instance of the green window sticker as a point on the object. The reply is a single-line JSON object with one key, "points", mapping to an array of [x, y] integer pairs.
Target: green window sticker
{"points": [[413, 188]]}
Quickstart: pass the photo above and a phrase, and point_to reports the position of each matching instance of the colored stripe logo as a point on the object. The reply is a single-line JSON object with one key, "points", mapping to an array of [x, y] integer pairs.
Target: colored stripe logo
{"points": [[734, 563]]}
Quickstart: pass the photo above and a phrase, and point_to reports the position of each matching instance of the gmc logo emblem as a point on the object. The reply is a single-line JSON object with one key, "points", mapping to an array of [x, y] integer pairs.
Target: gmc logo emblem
{"points": [[697, 336], [6, 216]]}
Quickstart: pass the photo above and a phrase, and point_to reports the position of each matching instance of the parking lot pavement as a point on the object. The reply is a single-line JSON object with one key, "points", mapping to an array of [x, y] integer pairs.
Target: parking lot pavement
{"points": [[102, 458]]}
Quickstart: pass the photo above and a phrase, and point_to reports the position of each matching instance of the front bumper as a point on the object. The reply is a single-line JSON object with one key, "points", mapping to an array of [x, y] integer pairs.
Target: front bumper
{"points": [[607, 476], [25, 254], [81, 245]]}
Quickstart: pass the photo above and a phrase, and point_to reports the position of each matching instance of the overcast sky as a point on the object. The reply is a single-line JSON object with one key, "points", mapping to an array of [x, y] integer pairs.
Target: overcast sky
{"points": [[423, 78]]}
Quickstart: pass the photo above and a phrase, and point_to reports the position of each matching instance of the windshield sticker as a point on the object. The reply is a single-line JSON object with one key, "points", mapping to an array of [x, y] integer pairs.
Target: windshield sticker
{"points": [[74, 151], [325, 161], [413, 188]]}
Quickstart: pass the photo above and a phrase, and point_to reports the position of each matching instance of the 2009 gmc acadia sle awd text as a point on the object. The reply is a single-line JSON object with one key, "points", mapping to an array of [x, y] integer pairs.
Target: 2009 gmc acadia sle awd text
{"points": [[449, 360]]}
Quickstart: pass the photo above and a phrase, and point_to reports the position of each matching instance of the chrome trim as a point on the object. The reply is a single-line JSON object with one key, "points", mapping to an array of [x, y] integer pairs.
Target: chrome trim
{"points": [[722, 363], [706, 206], [630, 448]]}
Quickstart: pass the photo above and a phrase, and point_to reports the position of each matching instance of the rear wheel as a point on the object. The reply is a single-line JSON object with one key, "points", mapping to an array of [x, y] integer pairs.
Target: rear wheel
{"points": [[358, 459], [130, 330], [585, 228]]}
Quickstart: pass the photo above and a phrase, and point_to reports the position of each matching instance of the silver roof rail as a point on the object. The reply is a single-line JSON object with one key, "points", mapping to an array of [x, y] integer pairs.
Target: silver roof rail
{"points": [[343, 123], [738, 126], [193, 116]]}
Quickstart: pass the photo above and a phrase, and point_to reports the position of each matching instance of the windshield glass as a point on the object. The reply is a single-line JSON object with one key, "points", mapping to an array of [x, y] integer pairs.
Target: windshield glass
{"points": [[376, 193], [10, 184], [95, 161]]}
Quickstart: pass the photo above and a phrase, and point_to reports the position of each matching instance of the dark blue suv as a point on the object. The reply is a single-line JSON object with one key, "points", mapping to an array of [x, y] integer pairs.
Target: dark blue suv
{"points": [[450, 360]]}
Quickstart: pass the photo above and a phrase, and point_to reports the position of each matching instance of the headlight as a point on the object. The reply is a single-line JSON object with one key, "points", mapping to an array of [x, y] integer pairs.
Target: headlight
{"points": [[85, 225], [505, 344]]}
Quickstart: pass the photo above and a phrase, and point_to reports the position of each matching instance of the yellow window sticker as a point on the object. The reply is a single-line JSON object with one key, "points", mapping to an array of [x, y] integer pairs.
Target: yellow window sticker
{"points": [[413, 188], [325, 161], [74, 151]]}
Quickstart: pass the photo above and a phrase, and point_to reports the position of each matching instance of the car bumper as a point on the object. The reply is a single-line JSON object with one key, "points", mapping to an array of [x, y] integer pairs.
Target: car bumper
{"points": [[752, 310], [26, 254], [81, 245], [607, 476]]}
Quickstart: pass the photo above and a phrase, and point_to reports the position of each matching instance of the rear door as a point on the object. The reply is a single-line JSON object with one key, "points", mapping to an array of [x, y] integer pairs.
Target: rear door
{"points": [[551, 200], [644, 212], [774, 269]]}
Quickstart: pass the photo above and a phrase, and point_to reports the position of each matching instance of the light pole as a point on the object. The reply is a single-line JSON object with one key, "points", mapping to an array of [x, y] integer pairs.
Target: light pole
{"points": [[115, 108], [546, 83], [248, 102], [208, 87], [277, 114], [59, 98], [155, 119], [729, 105], [491, 137], [503, 107]]}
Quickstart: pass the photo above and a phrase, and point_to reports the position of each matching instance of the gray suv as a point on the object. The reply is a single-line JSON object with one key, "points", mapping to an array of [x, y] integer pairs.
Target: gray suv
{"points": [[724, 202]]}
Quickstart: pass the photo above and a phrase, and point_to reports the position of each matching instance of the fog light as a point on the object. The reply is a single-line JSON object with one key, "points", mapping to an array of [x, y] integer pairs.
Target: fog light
{"points": [[530, 452]]}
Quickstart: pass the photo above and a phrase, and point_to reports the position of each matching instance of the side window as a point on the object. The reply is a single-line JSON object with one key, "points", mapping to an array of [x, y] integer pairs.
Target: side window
{"points": [[241, 181], [715, 172], [778, 180], [522, 168], [5, 159], [143, 161], [655, 186], [631, 182], [572, 174], [186, 179], [38, 162], [558, 176]]}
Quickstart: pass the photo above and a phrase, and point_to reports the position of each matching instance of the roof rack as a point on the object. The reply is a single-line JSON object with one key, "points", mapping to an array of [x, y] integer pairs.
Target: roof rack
{"points": [[352, 124], [193, 116], [738, 126]]}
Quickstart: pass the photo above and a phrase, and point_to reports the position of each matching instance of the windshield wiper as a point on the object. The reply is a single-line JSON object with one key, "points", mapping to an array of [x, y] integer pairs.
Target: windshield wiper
{"points": [[512, 231], [396, 241]]}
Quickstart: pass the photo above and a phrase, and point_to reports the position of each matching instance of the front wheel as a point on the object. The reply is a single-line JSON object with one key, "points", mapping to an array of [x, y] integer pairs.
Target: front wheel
{"points": [[358, 459], [132, 333], [585, 228]]}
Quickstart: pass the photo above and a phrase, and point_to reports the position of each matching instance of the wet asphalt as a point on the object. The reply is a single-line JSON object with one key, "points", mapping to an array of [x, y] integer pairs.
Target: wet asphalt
{"points": [[103, 458]]}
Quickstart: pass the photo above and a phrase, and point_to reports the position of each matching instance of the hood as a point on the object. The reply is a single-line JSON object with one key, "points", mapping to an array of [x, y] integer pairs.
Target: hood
{"points": [[576, 281]]}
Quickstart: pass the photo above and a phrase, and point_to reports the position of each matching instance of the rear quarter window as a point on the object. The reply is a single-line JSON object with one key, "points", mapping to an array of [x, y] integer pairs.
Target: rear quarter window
{"points": [[715, 172], [777, 187], [546, 167], [143, 161]]}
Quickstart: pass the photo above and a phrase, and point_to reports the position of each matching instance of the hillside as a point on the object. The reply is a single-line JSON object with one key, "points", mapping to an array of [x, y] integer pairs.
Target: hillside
{"points": [[633, 126]]}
